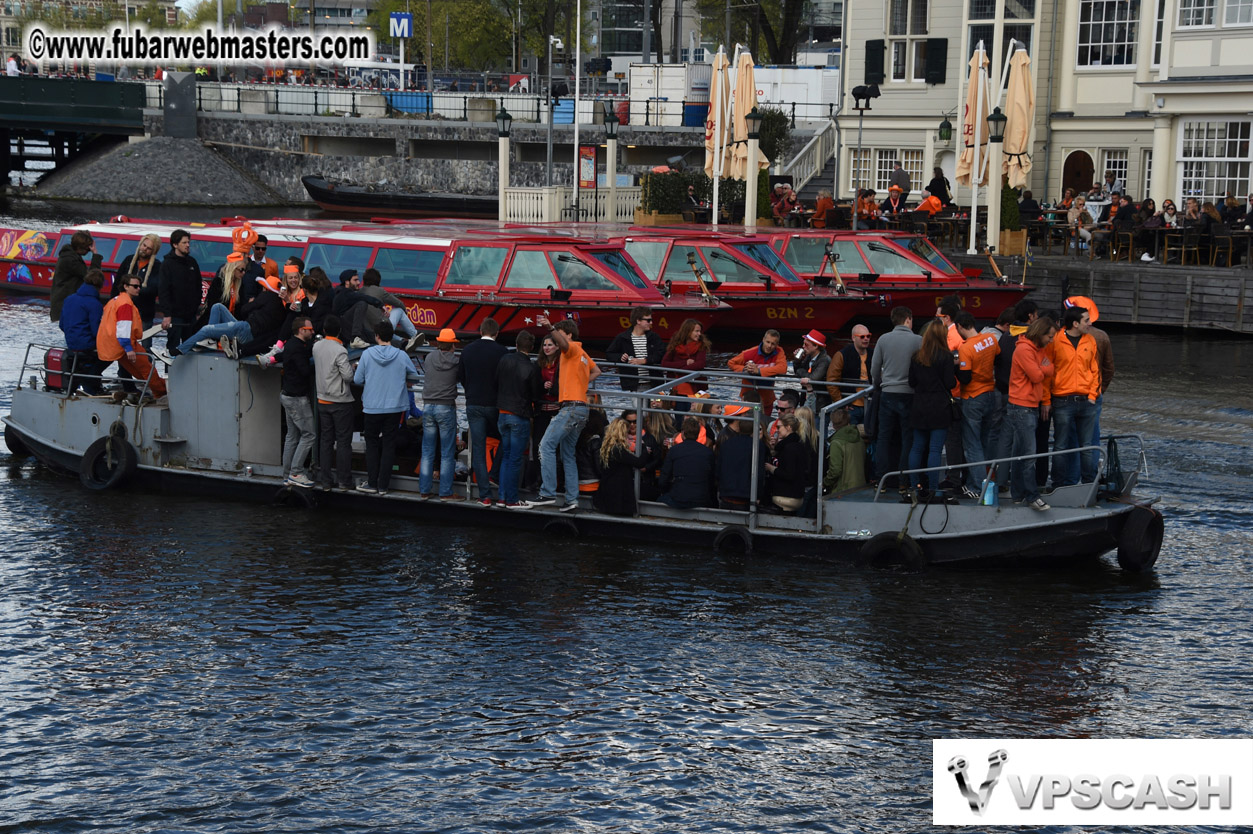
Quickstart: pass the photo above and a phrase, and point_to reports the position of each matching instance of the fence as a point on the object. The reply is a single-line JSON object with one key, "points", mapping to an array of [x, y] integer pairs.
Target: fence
{"points": [[550, 204]]}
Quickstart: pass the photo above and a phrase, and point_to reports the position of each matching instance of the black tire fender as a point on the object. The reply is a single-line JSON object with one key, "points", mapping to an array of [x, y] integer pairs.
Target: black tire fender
{"points": [[298, 497], [562, 528], [107, 462], [17, 447], [731, 534], [893, 550], [1140, 540]]}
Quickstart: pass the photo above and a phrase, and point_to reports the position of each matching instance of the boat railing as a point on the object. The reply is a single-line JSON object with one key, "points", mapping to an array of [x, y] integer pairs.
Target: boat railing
{"points": [[40, 372], [1005, 462]]}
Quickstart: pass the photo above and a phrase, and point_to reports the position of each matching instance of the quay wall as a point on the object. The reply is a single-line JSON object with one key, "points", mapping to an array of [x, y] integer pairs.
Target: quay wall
{"points": [[1188, 297]]}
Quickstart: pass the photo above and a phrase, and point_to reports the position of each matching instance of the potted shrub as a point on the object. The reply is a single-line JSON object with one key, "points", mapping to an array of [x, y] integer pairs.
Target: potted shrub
{"points": [[1013, 235], [661, 201]]}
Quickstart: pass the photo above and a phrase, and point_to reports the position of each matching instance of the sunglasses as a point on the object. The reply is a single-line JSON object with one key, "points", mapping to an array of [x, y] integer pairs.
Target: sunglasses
{"points": [[133, 286]]}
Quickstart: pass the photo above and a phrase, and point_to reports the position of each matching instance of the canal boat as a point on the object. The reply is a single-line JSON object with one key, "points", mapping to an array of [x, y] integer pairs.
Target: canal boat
{"points": [[369, 200], [219, 433]]}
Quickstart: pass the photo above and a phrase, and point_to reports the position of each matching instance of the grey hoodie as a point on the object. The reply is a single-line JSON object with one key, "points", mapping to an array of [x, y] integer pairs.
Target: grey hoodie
{"points": [[441, 378], [890, 366], [332, 371]]}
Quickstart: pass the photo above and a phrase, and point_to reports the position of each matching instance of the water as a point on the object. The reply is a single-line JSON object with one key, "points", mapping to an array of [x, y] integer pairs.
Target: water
{"points": [[177, 664]]}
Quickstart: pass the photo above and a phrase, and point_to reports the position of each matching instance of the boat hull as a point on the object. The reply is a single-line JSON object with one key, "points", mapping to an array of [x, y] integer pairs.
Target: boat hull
{"points": [[360, 201]]}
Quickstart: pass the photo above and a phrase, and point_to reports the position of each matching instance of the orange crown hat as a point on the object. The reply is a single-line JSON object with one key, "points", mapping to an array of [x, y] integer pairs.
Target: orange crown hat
{"points": [[291, 269], [270, 283], [234, 257], [243, 238], [1085, 302], [447, 336]]}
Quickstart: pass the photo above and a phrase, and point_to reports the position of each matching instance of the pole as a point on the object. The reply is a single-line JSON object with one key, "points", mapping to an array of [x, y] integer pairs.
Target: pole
{"points": [[578, 57], [994, 195], [430, 52], [445, 41], [974, 170], [611, 173], [648, 32], [861, 114], [502, 151], [750, 183], [548, 175], [726, 37]]}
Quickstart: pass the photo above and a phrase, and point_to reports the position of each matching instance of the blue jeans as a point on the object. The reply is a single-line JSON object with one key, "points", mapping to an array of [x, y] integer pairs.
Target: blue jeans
{"points": [[895, 437], [977, 416], [1019, 428], [221, 324], [992, 448], [932, 441], [1073, 419], [480, 417], [439, 426], [515, 431], [401, 323], [561, 438], [1096, 427]]}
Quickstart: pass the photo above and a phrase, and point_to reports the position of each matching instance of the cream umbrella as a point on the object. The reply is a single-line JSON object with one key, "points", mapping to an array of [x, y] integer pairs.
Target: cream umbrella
{"points": [[716, 123], [745, 100], [975, 124], [1019, 115]]}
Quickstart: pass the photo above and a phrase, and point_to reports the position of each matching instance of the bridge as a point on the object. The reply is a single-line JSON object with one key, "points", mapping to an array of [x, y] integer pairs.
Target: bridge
{"points": [[55, 119]]}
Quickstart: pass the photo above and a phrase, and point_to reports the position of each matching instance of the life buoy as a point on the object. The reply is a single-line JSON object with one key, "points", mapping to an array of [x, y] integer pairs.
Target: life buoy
{"points": [[562, 528], [893, 550], [733, 533], [16, 447], [298, 497], [1140, 540], [107, 462]]}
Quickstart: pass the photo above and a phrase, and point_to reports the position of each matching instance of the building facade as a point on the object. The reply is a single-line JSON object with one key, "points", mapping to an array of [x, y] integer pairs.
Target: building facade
{"points": [[1156, 91]]}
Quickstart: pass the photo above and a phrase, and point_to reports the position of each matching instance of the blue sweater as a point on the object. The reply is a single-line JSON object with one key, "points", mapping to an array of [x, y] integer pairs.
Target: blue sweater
{"points": [[382, 371], [80, 318]]}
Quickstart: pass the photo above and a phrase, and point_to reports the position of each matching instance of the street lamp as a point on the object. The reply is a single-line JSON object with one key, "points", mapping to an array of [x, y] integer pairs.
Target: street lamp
{"points": [[611, 163], [751, 171], [553, 40], [945, 132], [996, 134], [503, 122], [862, 94]]}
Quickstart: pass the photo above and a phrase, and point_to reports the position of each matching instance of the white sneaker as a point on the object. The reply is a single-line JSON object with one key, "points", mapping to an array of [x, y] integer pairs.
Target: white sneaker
{"points": [[418, 340], [302, 480], [160, 353], [358, 343], [208, 344], [230, 346], [1039, 505], [1147, 258]]}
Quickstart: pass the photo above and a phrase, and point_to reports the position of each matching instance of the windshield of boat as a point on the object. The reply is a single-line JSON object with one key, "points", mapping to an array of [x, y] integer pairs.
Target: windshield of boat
{"points": [[922, 247], [806, 255], [334, 258], [577, 274], [530, 270], [763, 254], [408, 269], [618, 263], [210, 254], [476, 266], [648, 254], [884, 260], [280, 252]]}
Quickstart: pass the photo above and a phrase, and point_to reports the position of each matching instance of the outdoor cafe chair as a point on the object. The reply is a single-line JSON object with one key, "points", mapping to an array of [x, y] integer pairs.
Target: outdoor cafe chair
{"points": [[1222, 243], [1184, 241]]}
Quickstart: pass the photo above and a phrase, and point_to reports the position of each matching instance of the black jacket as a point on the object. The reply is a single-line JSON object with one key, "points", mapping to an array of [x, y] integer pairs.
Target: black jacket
{"points": [[68, 276], [794, 470], [630, 378], [1029, 209], [733, 466], [345, 299], [297, 359], [147, 300], [265, 314], [317, 312], [1004, 361], [933, 386], [688, 474], [477, 372], [179, 287], [616, 493], [518, 385]]}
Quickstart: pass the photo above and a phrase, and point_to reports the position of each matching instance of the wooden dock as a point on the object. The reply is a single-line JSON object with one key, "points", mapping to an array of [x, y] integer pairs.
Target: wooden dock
{"points": [[1188, 297]]}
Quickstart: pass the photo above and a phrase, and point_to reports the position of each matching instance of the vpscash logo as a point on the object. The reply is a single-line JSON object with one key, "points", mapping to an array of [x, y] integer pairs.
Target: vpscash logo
{"points": [[1140, 781]]}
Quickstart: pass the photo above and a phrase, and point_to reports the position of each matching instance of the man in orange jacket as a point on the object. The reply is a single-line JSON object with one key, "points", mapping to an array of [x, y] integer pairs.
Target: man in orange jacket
{"points": [[765, 360], [1076, 385], [118, 339]]}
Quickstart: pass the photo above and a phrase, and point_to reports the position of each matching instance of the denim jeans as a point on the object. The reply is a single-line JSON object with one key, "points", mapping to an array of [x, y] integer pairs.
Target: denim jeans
{"points": [[335, 424], [895, 437], [301, 433], [561, 438], [439, 429], [1073, 418], [514, 433], [401, 323], [977, 434], [380, 448], [221, 324], [1096, 426], [1019, 426], [480, 417], [932, 441], [992, 448]]}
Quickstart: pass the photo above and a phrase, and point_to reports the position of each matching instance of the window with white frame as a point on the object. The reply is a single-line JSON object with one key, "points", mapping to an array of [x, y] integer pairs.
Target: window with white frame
{"points": [[1146, 171], [1158, 28], [907, 30], [911, 162], [885, 159], [1115, 161], [1196, 13], [1214, 159], [1238, 12], [859, 169], [1107, 33]]}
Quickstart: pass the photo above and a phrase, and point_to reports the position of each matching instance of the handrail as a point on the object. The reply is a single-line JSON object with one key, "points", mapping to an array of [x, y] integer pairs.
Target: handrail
{"points": [[1100, 467], [812, 158]]}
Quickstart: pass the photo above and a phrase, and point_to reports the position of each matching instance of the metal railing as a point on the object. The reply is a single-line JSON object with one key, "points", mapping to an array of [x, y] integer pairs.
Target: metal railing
{"points": [[70, 377], [812, 158], [550, 204]]}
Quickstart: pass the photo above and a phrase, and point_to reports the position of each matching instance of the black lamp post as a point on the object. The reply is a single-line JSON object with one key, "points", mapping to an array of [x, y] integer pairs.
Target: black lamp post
{"points": [[946, 130], [503, 122], [996, 125], [862, 94], [752, 121], [611, 164]]}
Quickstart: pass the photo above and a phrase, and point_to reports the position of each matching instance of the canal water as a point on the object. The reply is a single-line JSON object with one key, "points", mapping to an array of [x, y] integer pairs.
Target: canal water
{"points": [[180, 664]]}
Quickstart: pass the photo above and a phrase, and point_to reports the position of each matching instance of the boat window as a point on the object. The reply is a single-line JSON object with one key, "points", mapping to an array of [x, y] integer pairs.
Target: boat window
{"points": [[105, 247], [530, 270], [620, 265], [334, 258], [763, 254], [850, 260], [62, 242], [922, 247], [726, 267], [280, 252], [579, 275], [648, 254], [677, 268], [409, 269], [210, 253], [128, 247], [476, 266], [885, 260]]}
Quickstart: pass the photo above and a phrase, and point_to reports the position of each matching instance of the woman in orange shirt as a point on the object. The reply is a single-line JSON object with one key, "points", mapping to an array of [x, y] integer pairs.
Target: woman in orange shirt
{"points": [[824, 204]]}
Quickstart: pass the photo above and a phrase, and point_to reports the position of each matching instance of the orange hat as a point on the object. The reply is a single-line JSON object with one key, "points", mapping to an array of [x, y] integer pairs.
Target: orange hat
{"points": [[896, 188], [270, 283], [243, 238], [1086, 303], [291, 269], [234, 257], [734, 410], [447, 336]]}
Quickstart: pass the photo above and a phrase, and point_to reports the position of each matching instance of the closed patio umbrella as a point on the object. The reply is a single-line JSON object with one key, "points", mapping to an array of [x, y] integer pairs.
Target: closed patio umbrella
{"points": [[1019, 116], [716, 123], [975, 123], [745, 99]]}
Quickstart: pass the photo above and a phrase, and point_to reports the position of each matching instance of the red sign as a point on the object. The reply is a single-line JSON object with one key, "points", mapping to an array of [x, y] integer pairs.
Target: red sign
{"points": [[587, 166]]}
